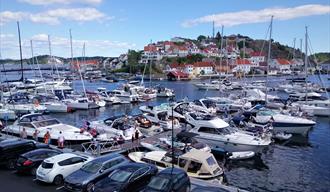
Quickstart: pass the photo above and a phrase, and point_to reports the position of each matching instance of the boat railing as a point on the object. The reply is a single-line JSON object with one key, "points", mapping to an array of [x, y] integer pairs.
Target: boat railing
{"points": [[100, 147]]}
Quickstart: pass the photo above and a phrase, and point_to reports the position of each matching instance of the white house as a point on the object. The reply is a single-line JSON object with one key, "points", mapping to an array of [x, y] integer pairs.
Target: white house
{"points": [[256, 58], [242, 66]]}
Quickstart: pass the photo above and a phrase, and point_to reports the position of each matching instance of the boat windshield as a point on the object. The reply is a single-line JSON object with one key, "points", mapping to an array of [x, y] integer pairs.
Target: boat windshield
{"points": [[218, 131], [91, 167], [199, 116], [159, 183], [120, 176], [266, 113], [45, 123]]}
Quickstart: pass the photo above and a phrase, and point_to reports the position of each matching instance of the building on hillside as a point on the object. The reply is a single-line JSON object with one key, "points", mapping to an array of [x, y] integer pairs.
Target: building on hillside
{"points": [[242, 66], [178, 39], [257, 57], [151, 53], [283, 65], [203, 68], [177, 75]]}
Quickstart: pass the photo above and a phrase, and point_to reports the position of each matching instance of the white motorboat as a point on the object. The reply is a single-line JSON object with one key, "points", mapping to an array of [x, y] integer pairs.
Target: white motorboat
{"points": [[126, 95], [284, 123], [7, 114], [147, 127], [217, 134], [165, 92], [205, 105], [241, 155], [43, 123], [159, 115], [81, 103], [107, 96], [114, 127], [311, 108], [196, 163]]}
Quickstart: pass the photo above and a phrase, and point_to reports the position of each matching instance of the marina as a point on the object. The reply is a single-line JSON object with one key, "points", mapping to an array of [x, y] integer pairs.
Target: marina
{"points": [[193, 113]]}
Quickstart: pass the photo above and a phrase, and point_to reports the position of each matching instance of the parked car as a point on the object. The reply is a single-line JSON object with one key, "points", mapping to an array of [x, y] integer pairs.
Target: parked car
{"points": [[168, 180], [93, 171], [10, 149], [55, 169], [30, 161], [130, 177]]}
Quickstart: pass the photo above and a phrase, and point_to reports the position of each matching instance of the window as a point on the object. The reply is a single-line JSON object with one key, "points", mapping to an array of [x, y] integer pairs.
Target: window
{"points": [[26, 124], [210, 161], [75, 160], [206, 130], [194, 167], [182, 162], [47, 165], [139, 173], [113, 163]]}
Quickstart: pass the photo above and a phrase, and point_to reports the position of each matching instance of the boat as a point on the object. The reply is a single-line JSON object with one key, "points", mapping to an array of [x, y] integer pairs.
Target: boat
{"points": [[218, 134], [116, 126], [146, 127], [197, 163], [164, 92], [7, 114], [126, 95], [22, 104], [159, 115], [284, 123], [107, 96], [80, 103], [43, 123], [241, 155]]}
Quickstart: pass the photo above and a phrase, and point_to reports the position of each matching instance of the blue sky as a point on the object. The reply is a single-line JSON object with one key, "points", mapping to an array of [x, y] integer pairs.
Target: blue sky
{"points": [[110, 28]]}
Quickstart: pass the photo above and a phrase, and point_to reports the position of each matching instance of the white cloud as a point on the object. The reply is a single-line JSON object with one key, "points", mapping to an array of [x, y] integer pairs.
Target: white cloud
{"points": [[53, 17], [9, 16], [257, 16], [49, 2]]}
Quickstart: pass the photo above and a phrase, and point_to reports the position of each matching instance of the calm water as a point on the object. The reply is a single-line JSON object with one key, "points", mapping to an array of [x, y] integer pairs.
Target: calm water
{"points": [[300, 164]]}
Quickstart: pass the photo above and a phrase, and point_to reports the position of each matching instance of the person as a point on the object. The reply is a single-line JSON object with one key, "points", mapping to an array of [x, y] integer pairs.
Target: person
{"points": [[137, 135], [121, 139], [47, 138], [60, 141], [133, 138], [23, 134], [88, 125], [35, 135]]}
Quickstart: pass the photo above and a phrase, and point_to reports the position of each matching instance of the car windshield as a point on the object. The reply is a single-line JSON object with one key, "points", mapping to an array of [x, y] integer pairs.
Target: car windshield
{"points": [[159, 183], [121, 176], [91, 167]]}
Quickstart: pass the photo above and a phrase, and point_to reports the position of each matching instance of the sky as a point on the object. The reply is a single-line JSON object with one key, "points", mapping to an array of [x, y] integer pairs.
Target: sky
{"points": [[110, 28]]}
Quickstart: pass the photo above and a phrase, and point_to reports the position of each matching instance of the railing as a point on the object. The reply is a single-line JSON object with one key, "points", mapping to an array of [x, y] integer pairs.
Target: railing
{"points": [[100, 147]]}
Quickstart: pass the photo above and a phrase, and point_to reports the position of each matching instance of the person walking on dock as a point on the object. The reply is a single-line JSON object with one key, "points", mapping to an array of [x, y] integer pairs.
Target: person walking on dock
{"points": [[23, 134], [47, 138], [35, 135], [60, 141], [137, 135]]}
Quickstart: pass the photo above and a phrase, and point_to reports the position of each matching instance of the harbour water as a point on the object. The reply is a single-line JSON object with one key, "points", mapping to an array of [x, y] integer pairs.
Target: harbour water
{"points": [[299, 164]]}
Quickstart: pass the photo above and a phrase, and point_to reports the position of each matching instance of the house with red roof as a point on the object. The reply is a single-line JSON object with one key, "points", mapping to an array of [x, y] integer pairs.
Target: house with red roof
{"points": [[177, 75], [242, 66], [257, 57]]}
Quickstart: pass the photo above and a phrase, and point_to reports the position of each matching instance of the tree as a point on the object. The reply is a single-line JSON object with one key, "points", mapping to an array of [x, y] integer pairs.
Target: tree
{"points": [[218, 36], [201, 38]]}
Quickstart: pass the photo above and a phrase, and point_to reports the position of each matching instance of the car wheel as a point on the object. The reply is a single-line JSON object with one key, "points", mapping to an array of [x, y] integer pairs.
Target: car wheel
{"points": [[11, 164], [34, 171], [58, 180], [90, 187]]}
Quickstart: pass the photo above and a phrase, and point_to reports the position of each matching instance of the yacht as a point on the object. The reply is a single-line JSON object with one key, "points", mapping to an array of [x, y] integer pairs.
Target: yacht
{"points": [[146, 127], [284, 123], [165, 92], [7, 114], [81, 103], [196, 163], [159, 115], [126, 95], [43, 123], [107, 96], [206, 105], [22, 104], [218, 135], [115, 126]]}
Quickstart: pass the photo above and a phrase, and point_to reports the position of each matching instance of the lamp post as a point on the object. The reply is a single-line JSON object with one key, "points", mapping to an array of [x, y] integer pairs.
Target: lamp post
{"points": [[172, 105]]}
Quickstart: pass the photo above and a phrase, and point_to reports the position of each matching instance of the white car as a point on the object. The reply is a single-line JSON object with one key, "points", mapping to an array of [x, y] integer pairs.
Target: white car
{"points": [[55, 169]]}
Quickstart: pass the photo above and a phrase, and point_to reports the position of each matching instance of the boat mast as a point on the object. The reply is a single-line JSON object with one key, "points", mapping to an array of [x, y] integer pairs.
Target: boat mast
{"points": [[221, 55], [42, 78], [306, 60], [268, 56], [51, 57], [81, 77], [71, 50], [20, 51]]}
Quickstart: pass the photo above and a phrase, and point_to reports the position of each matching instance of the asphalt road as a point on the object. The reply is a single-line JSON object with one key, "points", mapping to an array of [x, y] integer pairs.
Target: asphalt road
{"points": [[10, 181]]}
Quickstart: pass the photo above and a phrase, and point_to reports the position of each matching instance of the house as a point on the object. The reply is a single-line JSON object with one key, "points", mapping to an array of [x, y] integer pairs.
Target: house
{"points": [[203, 68], [242, 66], [280, 64], [177, 75], [151, 53], [257, 57]]}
